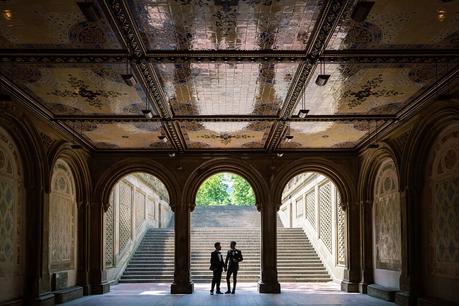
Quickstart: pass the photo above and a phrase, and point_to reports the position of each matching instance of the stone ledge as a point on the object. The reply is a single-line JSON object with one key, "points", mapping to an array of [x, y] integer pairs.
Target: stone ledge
{"points": [[17, 302], [381, 292], [430, 301], [67, 294]]}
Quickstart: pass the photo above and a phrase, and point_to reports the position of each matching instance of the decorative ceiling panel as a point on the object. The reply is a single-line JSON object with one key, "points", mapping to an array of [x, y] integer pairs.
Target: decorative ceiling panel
{"points": [[372, 89], [226, 135], [225, 24], [123, 135], [395, 24], [226, 88], [79, 89], [327, 135], [52, 24]]}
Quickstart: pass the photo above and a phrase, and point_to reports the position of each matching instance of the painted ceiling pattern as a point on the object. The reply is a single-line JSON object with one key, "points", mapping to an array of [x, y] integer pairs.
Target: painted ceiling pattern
{"points": [[225, 24], [394, 24], [123, 135], [75, 89], [226, 88], [178, 53], [53, 24], [368, 88]]}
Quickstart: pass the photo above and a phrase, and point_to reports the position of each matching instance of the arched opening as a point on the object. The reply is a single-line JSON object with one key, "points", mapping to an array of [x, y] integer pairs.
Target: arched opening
{"points": [[225, 211], [138, 232], [12, 220], [438, 224], [311, 243], [386, 226], [62, 227]]}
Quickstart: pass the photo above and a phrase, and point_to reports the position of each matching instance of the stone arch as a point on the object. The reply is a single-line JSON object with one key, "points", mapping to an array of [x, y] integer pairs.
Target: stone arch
{"points": [[343, 182], [439, 214], [112, 175], [207, 169], [12, 219], [63, 224]]}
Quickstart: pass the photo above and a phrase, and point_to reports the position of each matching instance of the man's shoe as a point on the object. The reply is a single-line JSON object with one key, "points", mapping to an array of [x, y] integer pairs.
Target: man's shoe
{"points": [[219, 292], [211, 292], [228, 292]]}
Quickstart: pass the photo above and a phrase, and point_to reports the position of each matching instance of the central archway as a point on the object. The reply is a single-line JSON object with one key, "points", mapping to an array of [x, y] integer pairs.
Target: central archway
{"points": [[225, 211]]}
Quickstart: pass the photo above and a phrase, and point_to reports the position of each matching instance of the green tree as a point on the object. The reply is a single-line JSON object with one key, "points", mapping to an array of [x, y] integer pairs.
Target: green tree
{"points": [[242, 193], [213, 191]]}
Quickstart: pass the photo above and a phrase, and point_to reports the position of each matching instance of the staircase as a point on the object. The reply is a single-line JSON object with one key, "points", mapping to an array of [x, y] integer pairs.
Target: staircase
{"points": [[153, 260]]}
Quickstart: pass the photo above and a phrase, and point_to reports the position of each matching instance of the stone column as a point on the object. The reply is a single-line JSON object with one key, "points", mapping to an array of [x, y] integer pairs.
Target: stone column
{"points": [[352, 273], [182, 275], [97, 273], [268, 282], [82, 252], [366, 234]]}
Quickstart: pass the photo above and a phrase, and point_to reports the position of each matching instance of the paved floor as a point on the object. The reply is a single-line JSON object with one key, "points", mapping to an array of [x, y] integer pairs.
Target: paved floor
{"points": [[246, 295]]}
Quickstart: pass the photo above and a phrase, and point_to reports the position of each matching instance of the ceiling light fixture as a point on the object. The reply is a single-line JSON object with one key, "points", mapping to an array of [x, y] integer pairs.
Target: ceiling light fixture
{"points": [[162, 137], [128, 77], [90, 10], [361, 10], [303, 112], [172, 154], [322, 78], [147, 113], [280, 154], [288, 137]]}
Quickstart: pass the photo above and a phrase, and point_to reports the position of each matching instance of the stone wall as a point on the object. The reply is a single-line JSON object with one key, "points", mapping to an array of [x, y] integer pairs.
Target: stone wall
{"points": [[137, 202], [311, 201]]}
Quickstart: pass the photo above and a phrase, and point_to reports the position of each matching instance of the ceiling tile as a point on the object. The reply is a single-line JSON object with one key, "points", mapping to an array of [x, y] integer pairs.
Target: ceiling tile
{"points": [[376, 89], [79, 89], [53, 24], [123, 135], [327, 135], [226, 88], [225, 25], [226, 135], [395, 24]]}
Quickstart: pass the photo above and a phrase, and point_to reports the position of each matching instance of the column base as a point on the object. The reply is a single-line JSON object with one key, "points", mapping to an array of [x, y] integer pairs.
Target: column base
{"points": [[182, 288], [45, 299], [362, 287], [269, 287], [404, 298], [349, 286], [100, 288]]}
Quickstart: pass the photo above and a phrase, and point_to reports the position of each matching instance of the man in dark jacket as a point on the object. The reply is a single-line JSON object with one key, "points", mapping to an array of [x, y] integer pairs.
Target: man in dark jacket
{"points": [[233, 257], [217, 266]]}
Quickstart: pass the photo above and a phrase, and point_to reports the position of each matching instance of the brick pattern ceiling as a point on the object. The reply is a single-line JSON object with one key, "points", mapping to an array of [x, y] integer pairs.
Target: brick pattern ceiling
{"points": [[227, 75]]}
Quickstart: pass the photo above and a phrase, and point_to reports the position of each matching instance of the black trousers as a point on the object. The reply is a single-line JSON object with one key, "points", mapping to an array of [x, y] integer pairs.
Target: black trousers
{"points": [[228, 277], [216, 279]]}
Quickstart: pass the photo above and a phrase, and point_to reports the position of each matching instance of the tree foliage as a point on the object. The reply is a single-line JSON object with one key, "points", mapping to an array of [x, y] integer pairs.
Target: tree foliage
{"points": [[225, 189]]}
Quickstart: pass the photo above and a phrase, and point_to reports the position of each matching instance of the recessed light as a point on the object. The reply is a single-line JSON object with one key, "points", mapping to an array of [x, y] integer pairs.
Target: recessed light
{"points": [[288, 138], [129, 79], [163, 138], [147, 113], [303, 113], [280, 154], [361, 10], [172, 154]]}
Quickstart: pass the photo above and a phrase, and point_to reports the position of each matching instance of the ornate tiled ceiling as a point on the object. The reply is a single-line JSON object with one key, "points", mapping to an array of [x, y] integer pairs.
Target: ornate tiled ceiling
{"points": [[227, 75]]}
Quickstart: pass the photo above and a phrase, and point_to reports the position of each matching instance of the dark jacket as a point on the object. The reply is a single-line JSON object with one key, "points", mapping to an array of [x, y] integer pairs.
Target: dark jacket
{"points": [[216, 261], [233, 257]]}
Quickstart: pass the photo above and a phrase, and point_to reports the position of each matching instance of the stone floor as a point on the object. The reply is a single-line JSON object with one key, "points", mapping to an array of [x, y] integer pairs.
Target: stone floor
{"points": [[246, 295]]}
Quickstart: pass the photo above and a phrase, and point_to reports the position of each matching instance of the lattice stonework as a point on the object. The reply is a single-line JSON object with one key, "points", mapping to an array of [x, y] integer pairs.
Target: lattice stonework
{"points": [[341, 222], [387, 219], [125, 198], [311, 208], [62, 218], [325, 215], [11, 211], [139, 201], [109, 227], [443, 184]]}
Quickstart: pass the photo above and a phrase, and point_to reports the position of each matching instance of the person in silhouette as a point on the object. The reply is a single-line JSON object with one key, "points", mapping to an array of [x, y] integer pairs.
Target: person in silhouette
{"points": [[217, 266], [233, 258]]}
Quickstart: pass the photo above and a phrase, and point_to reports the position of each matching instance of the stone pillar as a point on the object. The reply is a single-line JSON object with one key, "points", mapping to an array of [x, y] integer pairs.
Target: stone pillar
{"points": [[351, 279], [182, 275], [268, 282], [82, 252], [366, 234], [96, 250]]}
